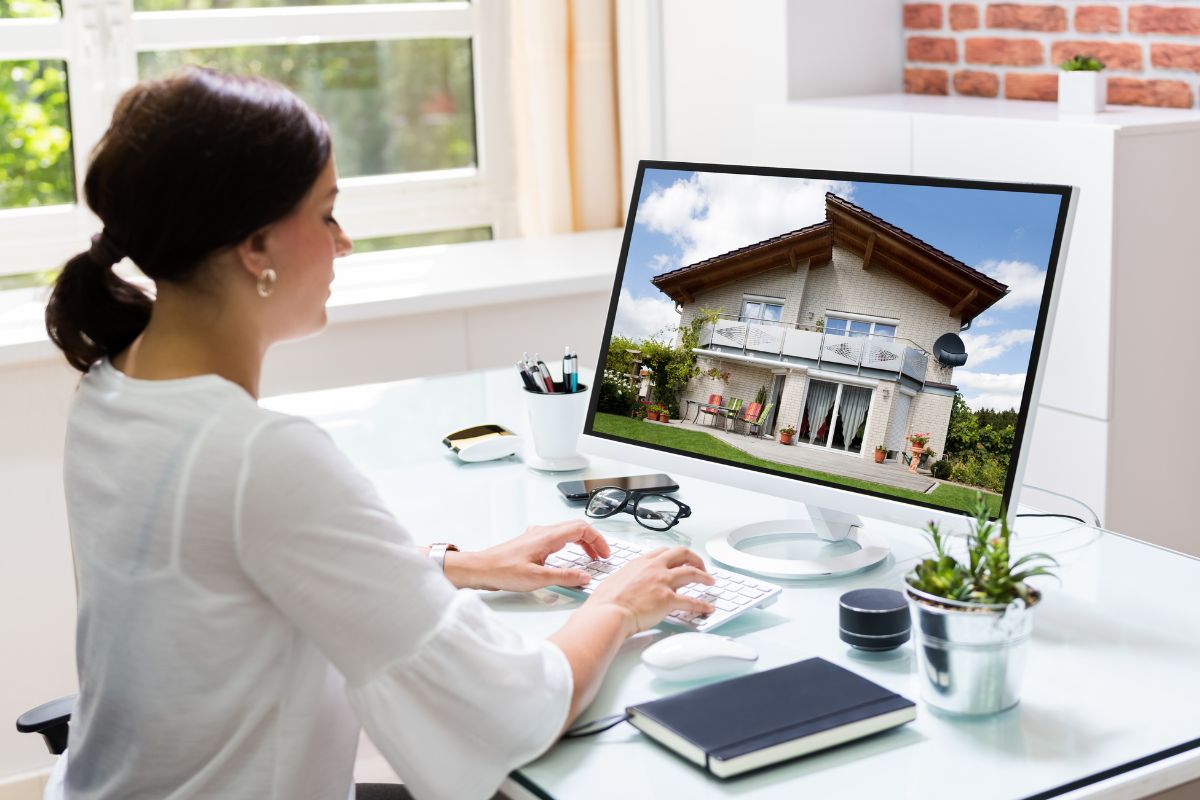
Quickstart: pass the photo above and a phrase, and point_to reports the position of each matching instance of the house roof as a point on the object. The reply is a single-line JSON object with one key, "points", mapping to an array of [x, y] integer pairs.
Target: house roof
{"points": [[966, 292]]}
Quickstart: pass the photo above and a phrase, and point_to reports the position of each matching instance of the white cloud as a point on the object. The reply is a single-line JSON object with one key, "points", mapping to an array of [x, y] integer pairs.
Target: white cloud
{"points": [[983, 347], [660, 262], [1023, 279], [642, 317], [990, 389], [712, 213]]}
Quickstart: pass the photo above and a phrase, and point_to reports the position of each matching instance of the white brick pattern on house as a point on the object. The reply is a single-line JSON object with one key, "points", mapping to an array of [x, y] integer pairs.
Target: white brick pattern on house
{"points": [[810, 295]]}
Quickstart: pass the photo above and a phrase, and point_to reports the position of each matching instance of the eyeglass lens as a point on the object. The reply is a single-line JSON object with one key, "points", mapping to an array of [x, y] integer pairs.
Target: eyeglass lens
{"points": [[656, 512], [606, 502]]}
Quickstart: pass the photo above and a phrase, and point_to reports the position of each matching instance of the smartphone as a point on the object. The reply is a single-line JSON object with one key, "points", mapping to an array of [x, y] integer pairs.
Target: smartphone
{"points": [[579, 490]]}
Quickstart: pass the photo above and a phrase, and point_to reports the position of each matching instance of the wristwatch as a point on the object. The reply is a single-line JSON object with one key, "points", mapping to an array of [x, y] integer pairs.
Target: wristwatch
{"points": [[437, 553]]}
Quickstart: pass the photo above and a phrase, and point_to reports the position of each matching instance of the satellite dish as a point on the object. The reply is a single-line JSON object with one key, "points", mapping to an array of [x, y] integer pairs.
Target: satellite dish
{"points": [[950, 350]]}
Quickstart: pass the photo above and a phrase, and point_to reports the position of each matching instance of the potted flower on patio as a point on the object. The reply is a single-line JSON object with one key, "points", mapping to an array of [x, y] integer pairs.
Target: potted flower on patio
{"points": [[786, 434], [664, 414], [973, 620], [652, 412], [880, 453], [917, 442]]}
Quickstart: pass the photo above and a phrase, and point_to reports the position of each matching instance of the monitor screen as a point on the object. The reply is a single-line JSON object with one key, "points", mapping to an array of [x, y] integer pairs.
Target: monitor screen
{"points": [[872, 333]]}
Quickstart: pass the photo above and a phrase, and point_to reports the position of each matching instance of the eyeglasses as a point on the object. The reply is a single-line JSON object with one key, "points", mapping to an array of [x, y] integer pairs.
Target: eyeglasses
{"points": [[654, 511]]}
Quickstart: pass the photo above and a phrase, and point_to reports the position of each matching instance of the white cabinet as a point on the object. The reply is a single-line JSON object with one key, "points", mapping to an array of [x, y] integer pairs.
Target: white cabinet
{"points": [[1123, 377]]}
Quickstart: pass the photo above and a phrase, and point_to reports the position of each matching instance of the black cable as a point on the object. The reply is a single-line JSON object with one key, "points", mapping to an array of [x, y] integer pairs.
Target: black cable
{"points": [[589, 729], [1063, 516]]}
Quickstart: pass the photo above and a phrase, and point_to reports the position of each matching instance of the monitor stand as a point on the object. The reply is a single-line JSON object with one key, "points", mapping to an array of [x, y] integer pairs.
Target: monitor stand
{"points": [[823, 525]]}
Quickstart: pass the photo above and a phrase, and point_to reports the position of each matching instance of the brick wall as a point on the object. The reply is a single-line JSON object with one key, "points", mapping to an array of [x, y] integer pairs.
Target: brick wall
{"points": [[1151, 52]]}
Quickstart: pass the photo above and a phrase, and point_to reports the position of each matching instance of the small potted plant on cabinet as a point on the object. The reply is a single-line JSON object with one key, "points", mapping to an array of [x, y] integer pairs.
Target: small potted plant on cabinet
{"points": [[1081, 87], [880, 453], [973, 620], [786, 434]]}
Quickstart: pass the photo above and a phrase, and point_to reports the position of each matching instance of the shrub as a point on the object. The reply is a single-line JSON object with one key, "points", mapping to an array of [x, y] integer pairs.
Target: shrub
{"points": [[941, 469], [618, 393], [980, 469]]}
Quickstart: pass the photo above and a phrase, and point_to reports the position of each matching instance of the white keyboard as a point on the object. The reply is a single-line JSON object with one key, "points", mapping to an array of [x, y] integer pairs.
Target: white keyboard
{"points": [[732, 593]]}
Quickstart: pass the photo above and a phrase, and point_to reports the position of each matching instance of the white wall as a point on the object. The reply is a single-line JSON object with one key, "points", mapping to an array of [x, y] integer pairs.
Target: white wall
{"points": [[693, 72]]}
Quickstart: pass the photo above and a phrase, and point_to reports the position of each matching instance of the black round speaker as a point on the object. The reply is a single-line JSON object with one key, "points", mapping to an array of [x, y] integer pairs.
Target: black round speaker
{"points": [[874, 619]]}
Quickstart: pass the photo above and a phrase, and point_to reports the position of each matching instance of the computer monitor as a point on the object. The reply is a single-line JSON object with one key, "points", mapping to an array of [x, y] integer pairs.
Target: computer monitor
{"points": [[896, 327]]}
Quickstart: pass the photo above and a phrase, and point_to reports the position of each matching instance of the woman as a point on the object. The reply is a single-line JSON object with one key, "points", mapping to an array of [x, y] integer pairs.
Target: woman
{"points": [[246, 601]]}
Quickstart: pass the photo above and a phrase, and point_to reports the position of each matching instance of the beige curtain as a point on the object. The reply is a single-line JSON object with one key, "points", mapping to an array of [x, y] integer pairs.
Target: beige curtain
{"points": [[564, 78]]}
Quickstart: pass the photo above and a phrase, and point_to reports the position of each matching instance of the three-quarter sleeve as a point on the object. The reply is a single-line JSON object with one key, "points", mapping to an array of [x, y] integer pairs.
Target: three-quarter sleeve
{"points": [[452, 697]]}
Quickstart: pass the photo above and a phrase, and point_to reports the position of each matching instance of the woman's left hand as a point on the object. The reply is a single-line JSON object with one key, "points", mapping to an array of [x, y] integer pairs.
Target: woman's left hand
{"points": [[518, 565]]}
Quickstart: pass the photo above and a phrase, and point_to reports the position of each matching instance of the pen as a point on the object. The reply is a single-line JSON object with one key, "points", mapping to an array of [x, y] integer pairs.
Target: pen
{"points": [[545, 373], [528, 381], [570, 371]]}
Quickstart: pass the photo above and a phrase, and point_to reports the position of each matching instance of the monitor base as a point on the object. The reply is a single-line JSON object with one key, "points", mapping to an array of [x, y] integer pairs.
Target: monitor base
{"points": [[824, 526]]}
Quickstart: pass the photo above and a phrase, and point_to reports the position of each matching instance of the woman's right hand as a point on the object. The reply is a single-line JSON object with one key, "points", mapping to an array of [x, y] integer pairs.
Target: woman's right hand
{"points": [[645, 587]]}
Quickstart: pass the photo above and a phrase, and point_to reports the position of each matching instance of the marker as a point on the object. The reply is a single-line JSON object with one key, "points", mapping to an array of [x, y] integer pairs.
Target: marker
{"points": [[570, 371]]}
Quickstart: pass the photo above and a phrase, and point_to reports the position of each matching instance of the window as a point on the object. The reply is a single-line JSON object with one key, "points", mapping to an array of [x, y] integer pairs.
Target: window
{"points": [[414, 92], [761, 310], [844, 326]]}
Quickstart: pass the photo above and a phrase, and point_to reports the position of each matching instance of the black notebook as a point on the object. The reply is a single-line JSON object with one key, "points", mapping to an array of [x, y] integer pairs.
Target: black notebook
{"points": [[766, 717]]}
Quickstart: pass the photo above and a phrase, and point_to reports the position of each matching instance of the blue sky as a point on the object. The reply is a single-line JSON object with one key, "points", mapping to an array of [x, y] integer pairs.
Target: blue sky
{"points": [[684, 217]]}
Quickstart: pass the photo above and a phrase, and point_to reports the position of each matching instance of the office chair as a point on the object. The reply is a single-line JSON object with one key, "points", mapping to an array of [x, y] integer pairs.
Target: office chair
{"points": [[53, 721]]}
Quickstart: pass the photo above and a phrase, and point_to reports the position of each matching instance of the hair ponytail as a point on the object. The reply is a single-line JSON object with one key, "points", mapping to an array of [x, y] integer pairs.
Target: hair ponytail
{"points": [[93, 313], [191, 164]]}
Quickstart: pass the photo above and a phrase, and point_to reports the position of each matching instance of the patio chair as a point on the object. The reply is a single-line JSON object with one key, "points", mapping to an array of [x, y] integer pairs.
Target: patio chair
{"points": [[755, 426], [712, 407], [749, 415], [730, 411]]}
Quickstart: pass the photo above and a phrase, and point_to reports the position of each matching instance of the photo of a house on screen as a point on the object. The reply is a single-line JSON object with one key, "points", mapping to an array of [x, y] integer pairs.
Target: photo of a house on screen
{"points": [[862, 334]]}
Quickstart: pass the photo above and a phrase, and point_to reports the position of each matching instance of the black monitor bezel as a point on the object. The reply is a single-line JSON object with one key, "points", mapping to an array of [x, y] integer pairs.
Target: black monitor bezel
{"points": [[1062, 191]]}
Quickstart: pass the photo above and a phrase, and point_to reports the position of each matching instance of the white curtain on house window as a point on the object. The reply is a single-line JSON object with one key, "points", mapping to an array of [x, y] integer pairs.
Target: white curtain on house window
{"points": [[820, 400], [855, 402]]}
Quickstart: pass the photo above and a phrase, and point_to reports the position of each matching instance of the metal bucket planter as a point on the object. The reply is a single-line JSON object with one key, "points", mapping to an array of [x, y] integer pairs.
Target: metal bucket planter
{"points": [[970, 656]]}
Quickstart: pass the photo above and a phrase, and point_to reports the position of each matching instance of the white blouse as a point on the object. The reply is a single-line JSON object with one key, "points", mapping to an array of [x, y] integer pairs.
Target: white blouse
{"points": [[247, 602]]}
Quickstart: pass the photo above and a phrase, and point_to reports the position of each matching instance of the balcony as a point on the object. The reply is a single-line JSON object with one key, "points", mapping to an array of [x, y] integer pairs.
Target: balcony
{"points": [[795, 344]]}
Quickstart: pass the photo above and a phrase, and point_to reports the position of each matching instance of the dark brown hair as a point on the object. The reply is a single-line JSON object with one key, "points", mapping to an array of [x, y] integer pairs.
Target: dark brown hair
{"points": [[190, 165]]}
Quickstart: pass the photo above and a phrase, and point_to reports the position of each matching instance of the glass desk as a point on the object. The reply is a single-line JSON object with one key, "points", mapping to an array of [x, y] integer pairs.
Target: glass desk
{"points": [[1111, 700]]}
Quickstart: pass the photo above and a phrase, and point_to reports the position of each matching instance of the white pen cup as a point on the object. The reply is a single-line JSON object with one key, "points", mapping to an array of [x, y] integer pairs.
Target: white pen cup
{"points": [[555, 423]]}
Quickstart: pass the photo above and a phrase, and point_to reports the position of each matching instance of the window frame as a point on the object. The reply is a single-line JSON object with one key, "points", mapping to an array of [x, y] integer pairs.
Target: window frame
{"points": [[99, 40]]}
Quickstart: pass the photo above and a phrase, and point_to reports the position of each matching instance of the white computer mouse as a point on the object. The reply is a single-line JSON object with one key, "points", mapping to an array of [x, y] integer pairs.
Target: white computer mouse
{"points": [[693, 656]]}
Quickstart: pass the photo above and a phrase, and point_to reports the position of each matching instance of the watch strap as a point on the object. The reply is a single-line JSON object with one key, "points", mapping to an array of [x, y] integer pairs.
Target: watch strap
{"points": [[437, 553]]}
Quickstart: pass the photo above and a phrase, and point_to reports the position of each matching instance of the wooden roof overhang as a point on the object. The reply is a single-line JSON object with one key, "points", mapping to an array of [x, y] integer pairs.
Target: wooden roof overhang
{"points": [[814, 244], [964, 291]]}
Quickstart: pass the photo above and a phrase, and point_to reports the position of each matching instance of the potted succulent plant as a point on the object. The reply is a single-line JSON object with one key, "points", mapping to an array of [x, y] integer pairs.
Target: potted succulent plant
{"points": [[880, 453], [1081, 87], [973, 619], [786, 434]]}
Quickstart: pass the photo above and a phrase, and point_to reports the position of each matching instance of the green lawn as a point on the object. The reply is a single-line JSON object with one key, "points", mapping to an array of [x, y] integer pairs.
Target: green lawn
{"points": [[947, 495]]}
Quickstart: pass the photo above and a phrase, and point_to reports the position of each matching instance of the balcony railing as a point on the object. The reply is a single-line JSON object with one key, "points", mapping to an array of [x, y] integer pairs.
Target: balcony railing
{"points": [[788, 341]]}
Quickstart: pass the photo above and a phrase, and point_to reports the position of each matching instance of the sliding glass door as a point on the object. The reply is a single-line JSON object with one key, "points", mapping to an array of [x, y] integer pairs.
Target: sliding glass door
{"points": [[835, 416]]}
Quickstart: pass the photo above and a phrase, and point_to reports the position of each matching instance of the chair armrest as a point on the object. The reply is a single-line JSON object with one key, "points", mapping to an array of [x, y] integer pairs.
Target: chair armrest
{"points": [[51, 721]]}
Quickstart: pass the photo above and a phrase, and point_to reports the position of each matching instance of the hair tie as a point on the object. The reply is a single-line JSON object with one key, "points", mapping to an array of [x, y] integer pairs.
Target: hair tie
{"points": [[104, 251]]}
